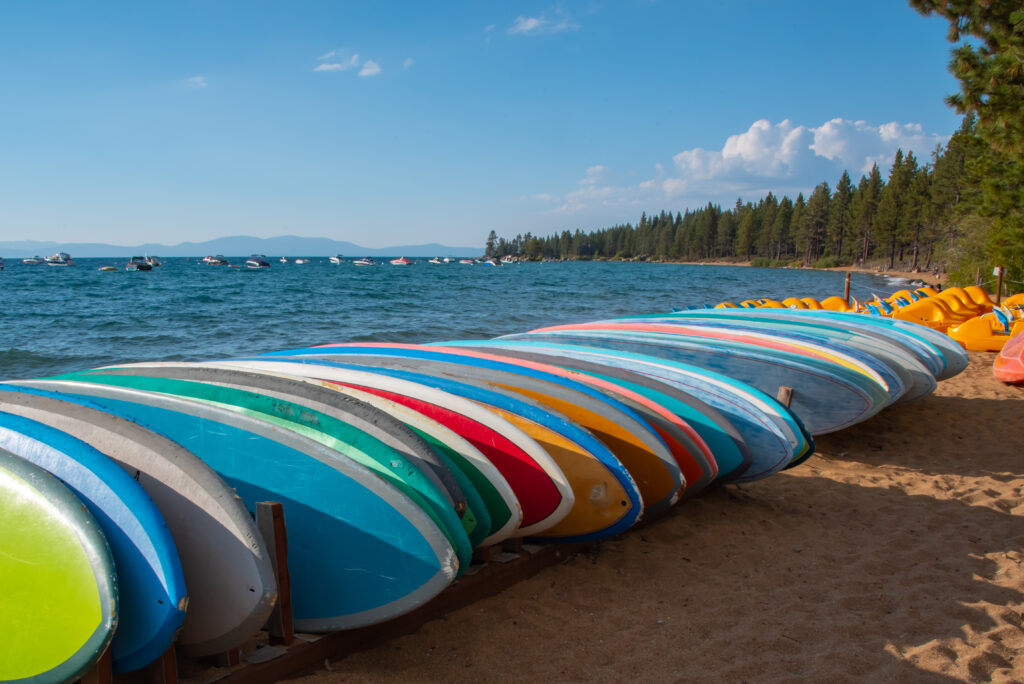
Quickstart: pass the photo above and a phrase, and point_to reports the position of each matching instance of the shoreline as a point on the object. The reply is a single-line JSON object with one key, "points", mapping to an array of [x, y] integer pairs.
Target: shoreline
{"points": [[923, 276]]}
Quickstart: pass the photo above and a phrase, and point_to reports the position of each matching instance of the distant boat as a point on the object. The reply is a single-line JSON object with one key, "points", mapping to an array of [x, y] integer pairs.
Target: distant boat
{"points": [[509, 259], [153, 261], [300, 260], [137, 263], [365, 261], [448, 260], [257, 261], [401, 261], [435, 260], [336, 259], [60, 259], [32, 260], [283, 260], [3, 264], [108, 268], [218, 260], [492, 262], [471, 262]]}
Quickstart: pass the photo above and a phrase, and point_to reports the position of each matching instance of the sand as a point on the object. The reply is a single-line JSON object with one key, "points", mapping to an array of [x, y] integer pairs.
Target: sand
{"points": [[894, 554]]}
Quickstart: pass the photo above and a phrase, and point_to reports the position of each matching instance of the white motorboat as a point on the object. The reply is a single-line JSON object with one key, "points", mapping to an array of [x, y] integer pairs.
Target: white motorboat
{"points": [[257, 261], [60, 259], [365, 261], [400, 261], [336, 259]]}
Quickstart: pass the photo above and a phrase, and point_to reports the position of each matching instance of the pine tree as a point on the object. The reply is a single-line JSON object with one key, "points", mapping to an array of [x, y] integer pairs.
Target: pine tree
{"points": [[815, 222], [840, 217], [987, 62], [865, 207]]}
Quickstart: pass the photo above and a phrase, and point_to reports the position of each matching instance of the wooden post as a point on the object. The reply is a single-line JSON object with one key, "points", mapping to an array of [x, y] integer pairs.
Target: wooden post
{"points": [[102, 672], [164, 670], [999, 284], [228, 658], [846, 290], [270, 521]]}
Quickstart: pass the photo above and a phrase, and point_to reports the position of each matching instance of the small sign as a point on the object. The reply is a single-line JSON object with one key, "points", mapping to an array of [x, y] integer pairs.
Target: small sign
{"points": [[997, 271]]}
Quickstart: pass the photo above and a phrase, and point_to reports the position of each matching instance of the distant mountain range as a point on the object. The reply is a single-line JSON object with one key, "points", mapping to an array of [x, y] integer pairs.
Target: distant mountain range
{"points": [[238, 245]]}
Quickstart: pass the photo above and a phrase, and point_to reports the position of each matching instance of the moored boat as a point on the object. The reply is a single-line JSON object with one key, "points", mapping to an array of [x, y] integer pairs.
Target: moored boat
{"points": [[257, 261], [365, 261], [218, 260], [300, 260], [401, 261], [137, 263], [32, 260], [60, 259], [336, 259], [153, 261], [435, 260]]}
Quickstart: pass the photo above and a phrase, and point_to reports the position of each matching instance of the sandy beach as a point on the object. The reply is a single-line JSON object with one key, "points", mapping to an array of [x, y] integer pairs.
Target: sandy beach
{"points": [[894, 554]]}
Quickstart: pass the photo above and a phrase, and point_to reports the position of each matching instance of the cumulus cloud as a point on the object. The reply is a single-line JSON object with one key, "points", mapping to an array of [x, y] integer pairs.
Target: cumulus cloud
{"points": [[196, 82], [370, 68], [552, 21], [783, 158]]}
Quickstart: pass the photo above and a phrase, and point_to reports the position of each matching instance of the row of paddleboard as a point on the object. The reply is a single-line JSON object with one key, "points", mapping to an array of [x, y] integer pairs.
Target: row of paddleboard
{"points": [[127, 494]]}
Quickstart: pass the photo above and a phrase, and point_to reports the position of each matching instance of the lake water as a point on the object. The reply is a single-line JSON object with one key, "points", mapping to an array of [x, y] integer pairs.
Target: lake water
{"points": [[55, 320]]}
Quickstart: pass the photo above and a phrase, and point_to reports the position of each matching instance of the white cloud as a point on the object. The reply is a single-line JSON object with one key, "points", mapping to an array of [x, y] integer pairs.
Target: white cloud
{"points": [[783, 158], [489, 27], [370, 68], [196, 82], [555, 21], [341, 63], [593, 176], [409, 61]]}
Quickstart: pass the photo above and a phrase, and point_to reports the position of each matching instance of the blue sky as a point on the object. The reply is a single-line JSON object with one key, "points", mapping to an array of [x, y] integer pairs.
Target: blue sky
{"points": [[388, 123]]}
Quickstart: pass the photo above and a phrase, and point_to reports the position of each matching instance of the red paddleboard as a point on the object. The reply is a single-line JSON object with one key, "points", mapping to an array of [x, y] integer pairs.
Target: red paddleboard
{"points": [[538, 496]]}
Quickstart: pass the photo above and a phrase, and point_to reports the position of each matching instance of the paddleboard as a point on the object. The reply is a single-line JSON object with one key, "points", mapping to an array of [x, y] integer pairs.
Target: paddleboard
{"points": [[345, 440], [151, 585], [59, 584], [227, 571]]}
